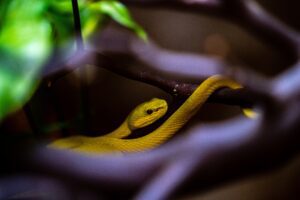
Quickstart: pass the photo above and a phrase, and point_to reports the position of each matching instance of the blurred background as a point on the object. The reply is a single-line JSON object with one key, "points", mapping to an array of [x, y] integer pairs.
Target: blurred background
{"points": [[55, 107]]}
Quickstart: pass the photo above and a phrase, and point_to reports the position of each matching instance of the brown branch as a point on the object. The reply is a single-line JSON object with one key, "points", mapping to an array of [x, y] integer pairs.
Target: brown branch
{"points": [[176, 73]]}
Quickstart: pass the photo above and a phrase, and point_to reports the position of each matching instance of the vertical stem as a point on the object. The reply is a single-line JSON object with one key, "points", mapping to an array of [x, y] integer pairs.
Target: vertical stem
{"points": [[77, 25], [84, 110]]}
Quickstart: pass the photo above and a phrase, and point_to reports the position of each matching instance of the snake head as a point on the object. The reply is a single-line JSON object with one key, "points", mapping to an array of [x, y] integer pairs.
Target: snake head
{"points": [[147, 113]]}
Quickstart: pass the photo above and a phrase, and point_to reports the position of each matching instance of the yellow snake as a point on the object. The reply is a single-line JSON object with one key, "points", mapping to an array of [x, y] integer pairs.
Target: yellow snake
{"points": [[142, 116]]}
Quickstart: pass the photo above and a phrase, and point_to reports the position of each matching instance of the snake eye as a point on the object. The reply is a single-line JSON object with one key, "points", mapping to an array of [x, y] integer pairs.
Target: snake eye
{"points": [[149, 111]]}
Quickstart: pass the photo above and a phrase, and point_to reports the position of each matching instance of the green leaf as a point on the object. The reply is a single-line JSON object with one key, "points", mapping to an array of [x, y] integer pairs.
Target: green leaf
{"points": [[31, 29], [119, 13], [24, 47]]}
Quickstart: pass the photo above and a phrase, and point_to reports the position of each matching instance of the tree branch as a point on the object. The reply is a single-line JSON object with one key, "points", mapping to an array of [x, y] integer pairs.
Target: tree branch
{"points": [[176, 73]]}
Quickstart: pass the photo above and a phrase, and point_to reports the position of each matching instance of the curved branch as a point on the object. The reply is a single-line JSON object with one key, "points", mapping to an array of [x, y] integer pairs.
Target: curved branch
{"points": [[176, 73], [254, 18], [248, 14], [166, 181], [286, 85]]}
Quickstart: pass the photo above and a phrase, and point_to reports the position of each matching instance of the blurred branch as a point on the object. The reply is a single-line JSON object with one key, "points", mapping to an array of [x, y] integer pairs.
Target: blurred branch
{"points": [[31, 187], [253, 17], [168, 179], [240, 146], [247, 14], [287, 84]]}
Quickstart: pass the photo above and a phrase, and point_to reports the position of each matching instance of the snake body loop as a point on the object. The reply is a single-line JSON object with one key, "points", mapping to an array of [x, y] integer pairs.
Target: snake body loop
{"points": [[113, 141]]}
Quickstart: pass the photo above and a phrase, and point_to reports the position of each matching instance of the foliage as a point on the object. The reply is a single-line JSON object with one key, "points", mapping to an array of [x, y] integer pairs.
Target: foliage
{"points": [[30, 31]]}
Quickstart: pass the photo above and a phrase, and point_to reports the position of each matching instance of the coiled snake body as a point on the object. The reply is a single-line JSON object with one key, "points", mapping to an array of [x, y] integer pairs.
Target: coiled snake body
{"points": [[142, 116]]}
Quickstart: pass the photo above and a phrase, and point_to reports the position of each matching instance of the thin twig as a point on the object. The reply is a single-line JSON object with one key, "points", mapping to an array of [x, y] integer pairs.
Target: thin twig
{"points": [[77, 25]]}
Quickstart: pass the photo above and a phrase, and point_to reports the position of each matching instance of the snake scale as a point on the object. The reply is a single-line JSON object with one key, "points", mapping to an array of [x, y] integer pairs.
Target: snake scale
{"points": [[142, 116]]}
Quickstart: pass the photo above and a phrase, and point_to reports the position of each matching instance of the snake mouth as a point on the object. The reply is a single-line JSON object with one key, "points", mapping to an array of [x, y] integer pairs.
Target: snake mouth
{"points": [[161, 109], [158, 108]]}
